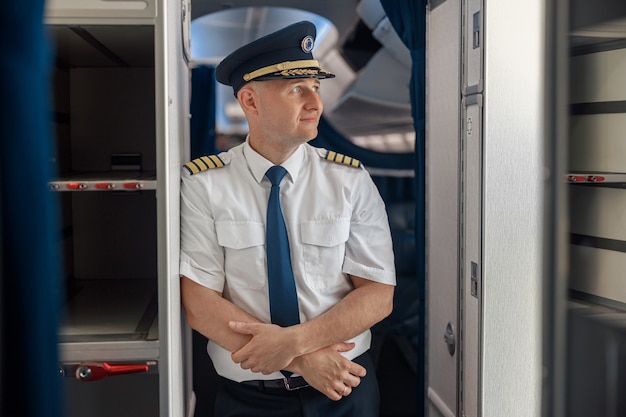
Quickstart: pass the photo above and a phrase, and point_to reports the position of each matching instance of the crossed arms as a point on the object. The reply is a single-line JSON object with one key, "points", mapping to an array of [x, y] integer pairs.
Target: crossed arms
{"points": [[311, 349]]}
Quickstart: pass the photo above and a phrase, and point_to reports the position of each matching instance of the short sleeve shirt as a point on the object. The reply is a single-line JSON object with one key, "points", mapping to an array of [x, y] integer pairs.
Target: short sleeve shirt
{"points": [[336, 223]]}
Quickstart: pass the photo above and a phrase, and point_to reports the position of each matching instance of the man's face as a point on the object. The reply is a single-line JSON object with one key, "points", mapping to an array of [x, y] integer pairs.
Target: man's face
{"points": [[290, 110]]}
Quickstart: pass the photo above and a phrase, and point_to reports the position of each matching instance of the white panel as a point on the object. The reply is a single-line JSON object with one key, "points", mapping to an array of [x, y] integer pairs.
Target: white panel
{"points": [[471, 256], [173, 106], [599, 272], [442, 202], [101, 8], [117, 351], [598, 77], [597, 142], [513, 207], [598, 211]]}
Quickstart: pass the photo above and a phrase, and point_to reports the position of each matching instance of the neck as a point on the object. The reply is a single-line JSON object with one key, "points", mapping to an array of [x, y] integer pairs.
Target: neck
{"points": [[274, 151]]}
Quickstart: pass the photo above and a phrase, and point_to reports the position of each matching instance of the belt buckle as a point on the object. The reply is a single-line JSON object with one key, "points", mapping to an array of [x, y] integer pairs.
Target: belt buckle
{"points": [[289, 387]]}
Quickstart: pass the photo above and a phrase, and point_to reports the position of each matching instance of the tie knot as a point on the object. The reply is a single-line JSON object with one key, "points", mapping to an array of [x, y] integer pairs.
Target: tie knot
{"points": [[276, 174]]}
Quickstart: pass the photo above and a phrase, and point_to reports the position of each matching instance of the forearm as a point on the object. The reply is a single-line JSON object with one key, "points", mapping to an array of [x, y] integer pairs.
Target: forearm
{"points": [[209, 313], [273, 348], [366, 305]]}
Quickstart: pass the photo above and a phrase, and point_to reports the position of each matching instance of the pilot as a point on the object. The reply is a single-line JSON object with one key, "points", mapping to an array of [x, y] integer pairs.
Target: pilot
{"points": [[286, 258]]}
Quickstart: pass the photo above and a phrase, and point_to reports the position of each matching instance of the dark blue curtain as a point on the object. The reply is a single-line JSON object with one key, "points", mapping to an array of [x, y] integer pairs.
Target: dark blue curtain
{"points": [[29, 295], [203, 111], [408, 17], [392, 189], [330, 138]]}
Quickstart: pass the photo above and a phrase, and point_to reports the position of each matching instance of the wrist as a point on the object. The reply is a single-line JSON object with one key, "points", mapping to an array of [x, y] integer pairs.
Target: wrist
{"points": [[295, 366], [298, 340]]}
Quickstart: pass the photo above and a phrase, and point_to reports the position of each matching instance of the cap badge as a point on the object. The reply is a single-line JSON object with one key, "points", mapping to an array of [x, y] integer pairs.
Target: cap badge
{"points": [[307, 44]]}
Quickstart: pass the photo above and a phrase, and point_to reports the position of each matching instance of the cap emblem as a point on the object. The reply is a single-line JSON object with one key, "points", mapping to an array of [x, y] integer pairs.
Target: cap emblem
{"points": [[307, 44]]}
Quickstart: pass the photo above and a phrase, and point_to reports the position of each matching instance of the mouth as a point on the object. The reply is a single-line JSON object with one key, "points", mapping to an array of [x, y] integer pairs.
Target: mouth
{"points": [[310, 119]]}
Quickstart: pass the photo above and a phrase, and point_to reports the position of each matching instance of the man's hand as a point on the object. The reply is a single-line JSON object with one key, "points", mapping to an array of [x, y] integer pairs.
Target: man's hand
{"points": [[271, 348], [329, 372]]}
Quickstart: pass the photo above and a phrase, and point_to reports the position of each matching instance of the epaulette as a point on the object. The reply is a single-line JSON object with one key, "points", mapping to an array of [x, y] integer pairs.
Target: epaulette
{"points": [[204, 163], [342, 159]]}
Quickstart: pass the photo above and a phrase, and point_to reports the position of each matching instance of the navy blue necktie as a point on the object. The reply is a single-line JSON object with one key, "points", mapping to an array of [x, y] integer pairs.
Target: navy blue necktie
{"points": [[282, 287]]}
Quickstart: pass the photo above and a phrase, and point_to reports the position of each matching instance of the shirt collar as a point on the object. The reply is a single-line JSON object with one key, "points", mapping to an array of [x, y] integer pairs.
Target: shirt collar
{"points": [[259, 165]]}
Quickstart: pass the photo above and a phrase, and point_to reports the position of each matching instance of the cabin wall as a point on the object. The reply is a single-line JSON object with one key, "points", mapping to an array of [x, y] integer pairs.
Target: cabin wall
{"points": [[513, 170], [485, 167]]}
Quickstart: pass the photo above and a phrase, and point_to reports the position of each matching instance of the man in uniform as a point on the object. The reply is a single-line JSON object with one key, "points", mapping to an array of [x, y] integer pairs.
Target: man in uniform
{"points": [[286, 254]]}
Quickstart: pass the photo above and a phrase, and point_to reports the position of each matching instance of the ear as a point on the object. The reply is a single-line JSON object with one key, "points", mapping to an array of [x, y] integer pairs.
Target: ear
{"points": [[248, 99]]}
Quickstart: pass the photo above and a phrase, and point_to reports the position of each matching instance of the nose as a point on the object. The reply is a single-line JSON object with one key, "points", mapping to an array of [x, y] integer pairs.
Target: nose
{"points": [[313, 100]]}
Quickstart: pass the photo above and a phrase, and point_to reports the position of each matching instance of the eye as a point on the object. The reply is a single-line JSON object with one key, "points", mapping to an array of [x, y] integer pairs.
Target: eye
{"points": [[297, 89], [316, 88]]}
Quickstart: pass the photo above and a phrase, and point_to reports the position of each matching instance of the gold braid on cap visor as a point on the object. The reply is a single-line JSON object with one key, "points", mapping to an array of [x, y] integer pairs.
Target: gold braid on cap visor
{"points": [[283, 66]]}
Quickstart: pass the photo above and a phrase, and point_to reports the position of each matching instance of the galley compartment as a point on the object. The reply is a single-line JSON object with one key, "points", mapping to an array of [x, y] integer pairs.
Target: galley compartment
{"points": [[597, 167], [105, 163]]}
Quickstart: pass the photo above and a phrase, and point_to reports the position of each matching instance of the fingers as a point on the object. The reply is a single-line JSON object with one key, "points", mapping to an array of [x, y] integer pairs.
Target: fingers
{"points": [[357, 370], [337, 393], [344, 346], [243, 328], [345, 388], [330, 372]]}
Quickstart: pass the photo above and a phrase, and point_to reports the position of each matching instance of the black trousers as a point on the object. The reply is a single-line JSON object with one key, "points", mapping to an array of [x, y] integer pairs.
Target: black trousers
{"points": [[239, 400]]}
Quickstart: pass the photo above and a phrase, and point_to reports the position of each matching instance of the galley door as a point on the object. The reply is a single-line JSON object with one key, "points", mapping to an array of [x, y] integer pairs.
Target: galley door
{"points": [[471, 257]]}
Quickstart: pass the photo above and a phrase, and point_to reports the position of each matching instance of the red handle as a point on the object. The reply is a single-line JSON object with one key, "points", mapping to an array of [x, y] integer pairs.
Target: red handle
{"points": [[104, 186], [75, 186], [133, 185], [93, 371]]}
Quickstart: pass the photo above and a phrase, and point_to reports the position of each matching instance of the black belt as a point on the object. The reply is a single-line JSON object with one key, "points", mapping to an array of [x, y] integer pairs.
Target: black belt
{"points": [[285, 384]]}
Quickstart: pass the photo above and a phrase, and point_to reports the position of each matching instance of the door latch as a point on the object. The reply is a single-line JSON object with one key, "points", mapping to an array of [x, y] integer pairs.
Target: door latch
{"points": [[448, 337]]}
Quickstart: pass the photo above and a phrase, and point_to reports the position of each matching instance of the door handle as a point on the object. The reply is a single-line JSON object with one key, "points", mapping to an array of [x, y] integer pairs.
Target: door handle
{"points": [[448, 337], [94, 371]]}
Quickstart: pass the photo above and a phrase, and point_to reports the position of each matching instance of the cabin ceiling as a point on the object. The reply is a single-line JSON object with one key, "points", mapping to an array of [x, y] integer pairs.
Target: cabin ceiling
{"points": [[369, 98], [342, 13]]}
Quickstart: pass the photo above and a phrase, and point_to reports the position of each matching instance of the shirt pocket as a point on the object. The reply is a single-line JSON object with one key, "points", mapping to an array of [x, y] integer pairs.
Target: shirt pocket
{"points": [[323, 245], [244, 253]]}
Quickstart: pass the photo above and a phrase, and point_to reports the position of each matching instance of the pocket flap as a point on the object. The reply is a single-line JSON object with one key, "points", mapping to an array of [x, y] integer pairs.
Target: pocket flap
{"points": [[325, 232], [240, 235]]}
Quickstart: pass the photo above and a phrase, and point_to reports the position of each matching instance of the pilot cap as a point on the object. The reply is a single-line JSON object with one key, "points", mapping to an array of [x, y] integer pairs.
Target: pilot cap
{"points": [[283, 54]]}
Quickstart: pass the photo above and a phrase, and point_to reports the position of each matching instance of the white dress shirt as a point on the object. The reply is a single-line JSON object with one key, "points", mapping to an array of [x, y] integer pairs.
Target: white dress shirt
{"points": [[336, 223]]}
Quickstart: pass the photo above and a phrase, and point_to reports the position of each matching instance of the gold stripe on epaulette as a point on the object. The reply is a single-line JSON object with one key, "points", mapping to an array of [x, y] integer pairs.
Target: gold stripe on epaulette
{"points": [[343, 159], [204, 163]]}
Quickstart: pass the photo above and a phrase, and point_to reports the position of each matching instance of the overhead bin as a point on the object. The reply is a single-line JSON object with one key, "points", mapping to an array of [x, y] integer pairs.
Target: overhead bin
{"points": [[374, 16], [378, 91]]}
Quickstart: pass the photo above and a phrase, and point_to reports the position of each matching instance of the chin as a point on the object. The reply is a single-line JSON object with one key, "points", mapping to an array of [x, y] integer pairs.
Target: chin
{"points": [[311, 135]]}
